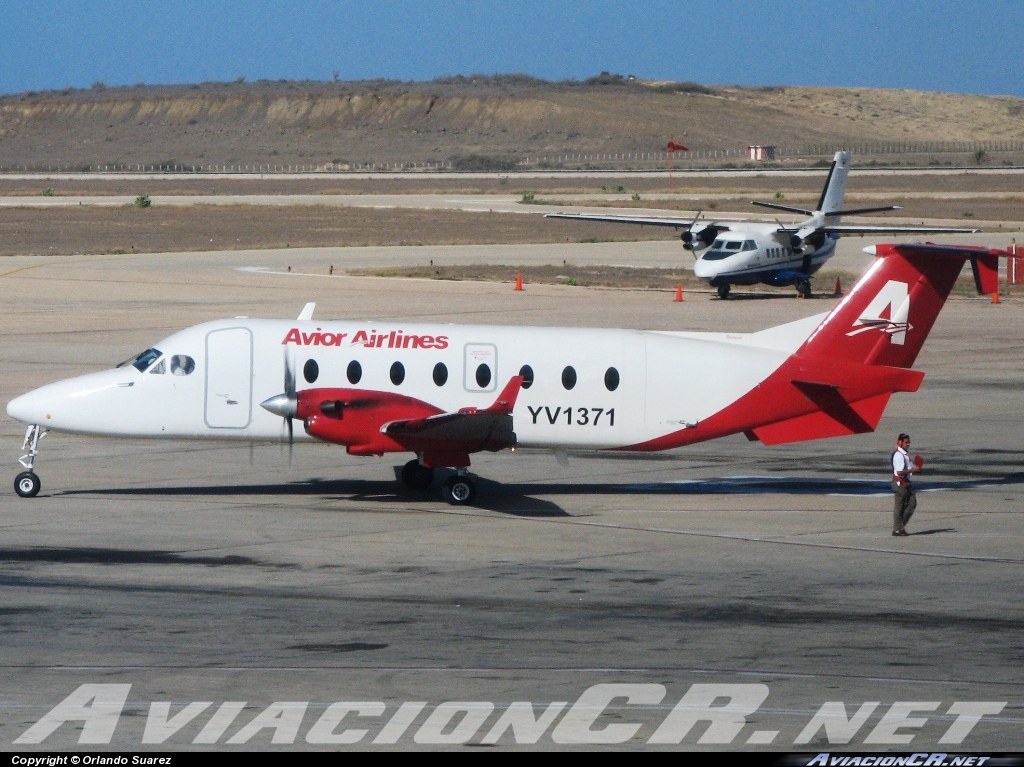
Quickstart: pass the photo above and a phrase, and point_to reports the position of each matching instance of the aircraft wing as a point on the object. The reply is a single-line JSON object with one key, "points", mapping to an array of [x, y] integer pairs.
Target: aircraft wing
{"points": [[852, 229], [490, 428], [681, 223]]}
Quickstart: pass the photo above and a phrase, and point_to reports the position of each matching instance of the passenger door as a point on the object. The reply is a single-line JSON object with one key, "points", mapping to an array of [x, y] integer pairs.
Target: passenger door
{"points": [[229, 378]]}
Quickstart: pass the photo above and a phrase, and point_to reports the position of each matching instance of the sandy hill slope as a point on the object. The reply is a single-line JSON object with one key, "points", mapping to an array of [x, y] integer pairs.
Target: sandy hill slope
{"points": [[512, 116]]}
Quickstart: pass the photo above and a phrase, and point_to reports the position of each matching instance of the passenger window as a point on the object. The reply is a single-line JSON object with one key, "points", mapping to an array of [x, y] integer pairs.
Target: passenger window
{"points": [[311, 371], [483, 375], [569, 377], [397, 373], [354, 372], [440, 374], [160, 368], [527, 373], [611, 379], [182, 365]]}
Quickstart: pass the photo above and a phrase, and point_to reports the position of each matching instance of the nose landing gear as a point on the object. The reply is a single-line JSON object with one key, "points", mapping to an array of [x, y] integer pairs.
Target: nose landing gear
{"points": [[27, 484]]}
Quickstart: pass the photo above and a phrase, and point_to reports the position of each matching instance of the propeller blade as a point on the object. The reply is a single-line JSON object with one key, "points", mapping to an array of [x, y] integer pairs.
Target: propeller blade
{"points": [[291, 440]]}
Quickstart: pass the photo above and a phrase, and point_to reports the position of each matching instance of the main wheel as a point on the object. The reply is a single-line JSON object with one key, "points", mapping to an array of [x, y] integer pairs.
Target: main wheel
{"points": [[803, 288], [27, 484], [417, 476], [459, 490], [723, 290]]}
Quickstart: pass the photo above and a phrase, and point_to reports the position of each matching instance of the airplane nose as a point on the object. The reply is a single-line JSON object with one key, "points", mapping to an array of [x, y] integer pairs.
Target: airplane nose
{"points": [[26, 409]]}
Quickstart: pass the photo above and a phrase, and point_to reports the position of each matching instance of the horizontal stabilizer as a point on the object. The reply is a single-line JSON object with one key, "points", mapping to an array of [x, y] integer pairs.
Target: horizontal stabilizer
{"points": [[787, 208], [838, 420]]}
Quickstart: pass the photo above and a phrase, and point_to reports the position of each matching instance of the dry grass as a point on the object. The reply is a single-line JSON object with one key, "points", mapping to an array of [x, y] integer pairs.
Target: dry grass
{"points": [[127, 229]]}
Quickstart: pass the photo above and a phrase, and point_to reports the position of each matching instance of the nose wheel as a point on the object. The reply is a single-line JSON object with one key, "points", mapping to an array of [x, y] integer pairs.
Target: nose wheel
{"points": [[723, 290], [27, 484]]}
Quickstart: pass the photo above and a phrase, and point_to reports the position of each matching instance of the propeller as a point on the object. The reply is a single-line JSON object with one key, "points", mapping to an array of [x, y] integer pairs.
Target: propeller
{"points": [[687, 237], [285, 405]]}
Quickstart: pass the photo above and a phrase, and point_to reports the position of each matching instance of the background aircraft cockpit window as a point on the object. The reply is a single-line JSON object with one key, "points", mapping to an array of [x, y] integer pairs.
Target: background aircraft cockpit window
{"points": [[159, 368], [750, 245], [142, 361], [733, 245], [182, 365]]}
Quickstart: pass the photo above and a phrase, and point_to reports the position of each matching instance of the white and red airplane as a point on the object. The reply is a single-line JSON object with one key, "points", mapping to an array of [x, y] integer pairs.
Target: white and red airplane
{"points": [[443, 392]]}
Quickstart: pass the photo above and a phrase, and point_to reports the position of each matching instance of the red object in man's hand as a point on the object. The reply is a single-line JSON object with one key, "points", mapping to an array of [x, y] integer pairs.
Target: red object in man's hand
{"points": [[918, 461]]}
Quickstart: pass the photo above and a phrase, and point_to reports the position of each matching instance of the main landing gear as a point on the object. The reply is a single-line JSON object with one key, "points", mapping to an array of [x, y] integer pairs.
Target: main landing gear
{"points": [[27, 484], [803, 288], [458, 490]]}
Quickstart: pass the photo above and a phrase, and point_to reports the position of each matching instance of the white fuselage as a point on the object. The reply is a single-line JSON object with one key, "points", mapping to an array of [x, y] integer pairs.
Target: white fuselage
{"points": [[754, 253], [665, 381]]}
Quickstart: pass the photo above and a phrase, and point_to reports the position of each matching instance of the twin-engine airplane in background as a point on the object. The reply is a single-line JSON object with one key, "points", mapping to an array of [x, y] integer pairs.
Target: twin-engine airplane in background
{"points": [[446, 391], [744, 253]]}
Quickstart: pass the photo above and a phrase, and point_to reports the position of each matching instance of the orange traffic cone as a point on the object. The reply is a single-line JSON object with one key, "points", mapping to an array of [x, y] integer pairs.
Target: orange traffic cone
{"points": [[679, 292], [519, 282], [839, 287], [995, 296]]}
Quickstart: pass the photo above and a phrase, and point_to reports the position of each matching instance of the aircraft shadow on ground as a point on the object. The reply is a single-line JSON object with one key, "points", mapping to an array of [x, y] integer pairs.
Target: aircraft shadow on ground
{"points": [[518, 499]]}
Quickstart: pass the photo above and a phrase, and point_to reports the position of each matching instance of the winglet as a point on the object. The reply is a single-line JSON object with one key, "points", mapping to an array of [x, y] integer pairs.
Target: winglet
{"points": [[307, 312], [506, 401]]}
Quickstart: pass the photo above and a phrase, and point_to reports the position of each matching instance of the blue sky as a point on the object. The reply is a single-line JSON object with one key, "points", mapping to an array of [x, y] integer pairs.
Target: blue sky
{"points": [[972, 46]]}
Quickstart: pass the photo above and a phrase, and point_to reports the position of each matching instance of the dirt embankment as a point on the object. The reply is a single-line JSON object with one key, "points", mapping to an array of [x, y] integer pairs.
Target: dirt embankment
{"points": [[317, 123]]}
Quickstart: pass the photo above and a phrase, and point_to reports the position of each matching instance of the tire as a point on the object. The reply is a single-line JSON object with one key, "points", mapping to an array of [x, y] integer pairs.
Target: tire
{"points": [[417, 476], [459, 490], [723, 290], [803, 288], [27, 484]]}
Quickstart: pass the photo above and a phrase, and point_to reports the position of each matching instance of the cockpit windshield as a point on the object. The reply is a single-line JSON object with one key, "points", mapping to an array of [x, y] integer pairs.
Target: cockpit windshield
{"points": [[723, 248], [143, 360]]}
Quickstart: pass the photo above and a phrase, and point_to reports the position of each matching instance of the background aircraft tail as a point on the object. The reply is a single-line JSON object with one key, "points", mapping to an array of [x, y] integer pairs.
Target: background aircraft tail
{"points": [[831, 200]]}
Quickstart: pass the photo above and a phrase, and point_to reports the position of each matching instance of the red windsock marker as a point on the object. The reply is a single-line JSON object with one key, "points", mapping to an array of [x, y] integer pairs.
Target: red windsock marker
{"points": [[679, 292], [519, 282], [839, 287]]}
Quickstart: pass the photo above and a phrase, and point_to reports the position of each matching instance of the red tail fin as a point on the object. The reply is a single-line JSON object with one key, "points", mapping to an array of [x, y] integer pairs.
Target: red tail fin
{"points": [[887, 316]]}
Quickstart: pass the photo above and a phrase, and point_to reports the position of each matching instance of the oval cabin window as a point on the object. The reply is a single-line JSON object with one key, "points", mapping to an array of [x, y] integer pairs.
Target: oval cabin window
{"points": [[354, 372], [611, 379], [310, 371], [527, 373], [483, 376], [397, 373], [569, 377], [440, 374]]}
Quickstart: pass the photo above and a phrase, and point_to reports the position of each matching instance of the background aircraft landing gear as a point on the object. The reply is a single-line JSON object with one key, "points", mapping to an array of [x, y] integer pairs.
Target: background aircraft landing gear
{"points": [[803, 288], [459, 490], [27, 484], [417, 476], [723, 290]]}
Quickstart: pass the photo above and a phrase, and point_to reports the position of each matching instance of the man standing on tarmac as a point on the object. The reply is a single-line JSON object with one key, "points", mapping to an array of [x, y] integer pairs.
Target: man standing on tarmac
{"points": [[905, 500]]}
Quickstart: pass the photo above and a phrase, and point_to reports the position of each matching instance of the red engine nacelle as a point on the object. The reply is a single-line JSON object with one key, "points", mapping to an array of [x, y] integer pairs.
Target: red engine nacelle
{"points": [[354, 418]]}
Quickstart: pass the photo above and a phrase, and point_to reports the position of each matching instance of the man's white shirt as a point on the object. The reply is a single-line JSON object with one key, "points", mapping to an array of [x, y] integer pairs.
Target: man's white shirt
{"points": [[901, 462]]}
